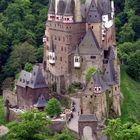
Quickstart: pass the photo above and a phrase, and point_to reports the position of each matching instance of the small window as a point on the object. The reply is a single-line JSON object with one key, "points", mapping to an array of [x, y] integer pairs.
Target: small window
{"points": [[116, 88], [93, 57], [62, 48], [99, 89], [90, 89], [91, 96], [95, 88], [60, 58]]}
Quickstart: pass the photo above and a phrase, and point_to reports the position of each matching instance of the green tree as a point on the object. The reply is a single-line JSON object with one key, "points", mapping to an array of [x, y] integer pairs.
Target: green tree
{"points": [[22, 53], [32, 126], [134, 65], [53, 107], [115, 130], [28, 67]]}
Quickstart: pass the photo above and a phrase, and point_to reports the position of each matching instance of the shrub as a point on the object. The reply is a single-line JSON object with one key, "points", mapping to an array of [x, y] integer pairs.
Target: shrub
{"points": [[89, 73], [53, 107]]}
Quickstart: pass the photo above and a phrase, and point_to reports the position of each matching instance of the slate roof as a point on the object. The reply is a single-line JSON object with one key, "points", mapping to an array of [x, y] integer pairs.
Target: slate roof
{"points": [[34, 79], [99, 82], [88, 118], [61, 7], [69, 8], [104, 6], [51, 7], [41, 102], [89, 44], [93, 14]]}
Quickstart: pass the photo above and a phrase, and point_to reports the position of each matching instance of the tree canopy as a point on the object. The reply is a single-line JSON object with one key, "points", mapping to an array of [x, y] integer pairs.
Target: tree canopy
{"points": [[32, 126], [53, 107], [115, 130]]}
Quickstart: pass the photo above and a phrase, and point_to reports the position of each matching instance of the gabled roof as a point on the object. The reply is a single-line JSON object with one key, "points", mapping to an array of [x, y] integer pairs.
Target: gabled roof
{"points": [[34, 79], [89, 44], [51, 7], [41, 102], [61, 7], [93, 14]]}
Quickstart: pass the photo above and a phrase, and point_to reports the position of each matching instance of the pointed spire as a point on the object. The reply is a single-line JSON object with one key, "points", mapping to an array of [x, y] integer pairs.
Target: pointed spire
{"points": [[105, 6], [109, 75], [41, 101], [61, 7], [69, 8], [51, 7]]}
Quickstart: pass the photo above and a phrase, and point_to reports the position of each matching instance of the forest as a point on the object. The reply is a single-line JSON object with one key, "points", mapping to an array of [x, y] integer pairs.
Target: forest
{"points": [[22, 25]]}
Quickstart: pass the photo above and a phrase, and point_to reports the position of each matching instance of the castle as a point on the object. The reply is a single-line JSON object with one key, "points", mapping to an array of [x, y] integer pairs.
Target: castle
{"points": [[78, 36]]}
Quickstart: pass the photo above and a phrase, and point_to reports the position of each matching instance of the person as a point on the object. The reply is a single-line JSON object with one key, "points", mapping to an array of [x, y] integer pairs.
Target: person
{"points": [[71, 115]]}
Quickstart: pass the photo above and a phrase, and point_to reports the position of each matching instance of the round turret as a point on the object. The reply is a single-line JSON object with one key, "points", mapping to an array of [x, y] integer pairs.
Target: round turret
{"points": [[60, 10], [51, 11], [69, 12]]}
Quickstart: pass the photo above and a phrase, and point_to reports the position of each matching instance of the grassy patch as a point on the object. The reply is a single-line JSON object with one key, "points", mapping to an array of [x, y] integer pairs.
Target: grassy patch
{"points": [[131, 93], [2, 120]]}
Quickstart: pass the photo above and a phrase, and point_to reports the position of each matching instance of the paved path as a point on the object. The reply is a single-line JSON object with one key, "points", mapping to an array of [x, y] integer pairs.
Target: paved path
{"points": [[73, 124]]}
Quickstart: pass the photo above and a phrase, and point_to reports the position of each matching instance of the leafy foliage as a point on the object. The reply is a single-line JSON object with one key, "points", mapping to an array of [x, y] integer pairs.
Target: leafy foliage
{"points": [[129, 54], [32, 126], [20, 21], [28, 67], [115, 130], [53, 107], [89, 73]]}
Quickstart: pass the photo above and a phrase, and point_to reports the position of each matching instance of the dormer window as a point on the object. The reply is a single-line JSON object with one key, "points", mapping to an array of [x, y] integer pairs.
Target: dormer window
{"points": [[97, 90], [77, 61], [51, 17], [68, 19]]}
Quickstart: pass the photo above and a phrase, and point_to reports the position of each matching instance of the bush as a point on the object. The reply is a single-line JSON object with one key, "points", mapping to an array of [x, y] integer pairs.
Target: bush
{"points": [[53, 107]]}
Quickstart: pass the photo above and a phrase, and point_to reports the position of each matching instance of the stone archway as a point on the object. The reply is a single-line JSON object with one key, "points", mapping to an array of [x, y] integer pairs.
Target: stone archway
{"points": [[87, 133], [87, 123]]}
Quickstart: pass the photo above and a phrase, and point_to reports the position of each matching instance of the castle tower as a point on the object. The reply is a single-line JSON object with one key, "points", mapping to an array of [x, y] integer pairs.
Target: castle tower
{"points": [[66, 33], [82, 37]]}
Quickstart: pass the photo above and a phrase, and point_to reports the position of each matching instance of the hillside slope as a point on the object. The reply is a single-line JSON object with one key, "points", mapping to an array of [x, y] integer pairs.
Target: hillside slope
{"points": [[131, 102]]}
